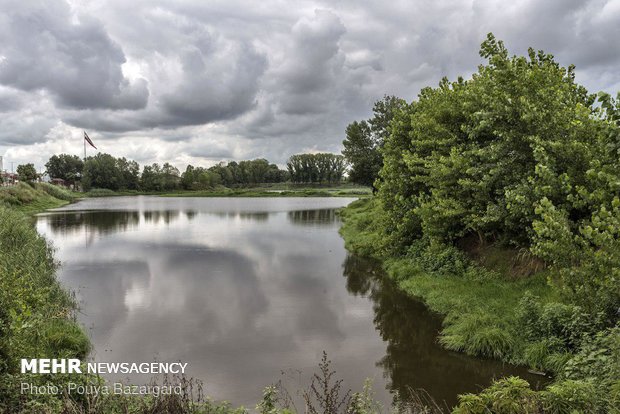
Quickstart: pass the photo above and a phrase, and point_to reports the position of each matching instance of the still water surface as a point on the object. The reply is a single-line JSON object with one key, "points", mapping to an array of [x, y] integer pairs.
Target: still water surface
{"points": [[248, 291]]}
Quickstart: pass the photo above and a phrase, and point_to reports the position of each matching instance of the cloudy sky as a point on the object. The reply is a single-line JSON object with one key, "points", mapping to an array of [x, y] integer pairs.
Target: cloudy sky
{"points": [[199, 81]]}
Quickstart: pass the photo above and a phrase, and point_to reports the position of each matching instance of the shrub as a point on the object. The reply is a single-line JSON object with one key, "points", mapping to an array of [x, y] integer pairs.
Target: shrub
{"points": [[598, 357], [511, 395], [438, 258], [477, 334], [556, 322], [572, 396], [56, 191]]}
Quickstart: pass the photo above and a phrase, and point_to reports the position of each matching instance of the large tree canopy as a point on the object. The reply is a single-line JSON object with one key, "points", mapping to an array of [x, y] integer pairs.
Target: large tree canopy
{"points": [[66, 167], [518, 154], [27, 172]]}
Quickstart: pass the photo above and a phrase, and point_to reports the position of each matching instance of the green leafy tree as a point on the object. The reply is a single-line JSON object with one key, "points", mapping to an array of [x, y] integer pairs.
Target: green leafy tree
{"points": [[316, 168], [225, 172], [171, 179], [365, 139], [130, 172], [198, 178], [518, 154], [249, 172], [362, 153], [150, 180], [66, 167], [102, 171], [27, 172]]}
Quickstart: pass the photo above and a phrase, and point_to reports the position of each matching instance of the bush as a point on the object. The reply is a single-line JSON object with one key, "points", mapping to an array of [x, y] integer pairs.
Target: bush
{"points": [[56, 191], [510, 395], [438, 258], [573, 397], [556, 322], [598, 358]]}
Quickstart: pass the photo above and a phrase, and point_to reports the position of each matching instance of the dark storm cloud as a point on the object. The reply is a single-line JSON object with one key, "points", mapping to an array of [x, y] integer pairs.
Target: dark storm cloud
{"points": [[230, 78], [214, 88], [44, 47]]}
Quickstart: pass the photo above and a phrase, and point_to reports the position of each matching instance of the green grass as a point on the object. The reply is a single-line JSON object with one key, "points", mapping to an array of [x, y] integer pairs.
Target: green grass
{"points": [[479, 306], [37, 316], [498, 303], [275, 190], [31, 199]]}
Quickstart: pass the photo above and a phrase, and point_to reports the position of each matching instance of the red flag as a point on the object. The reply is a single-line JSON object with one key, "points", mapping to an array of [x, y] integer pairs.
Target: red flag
{"points": [[87, 138]]}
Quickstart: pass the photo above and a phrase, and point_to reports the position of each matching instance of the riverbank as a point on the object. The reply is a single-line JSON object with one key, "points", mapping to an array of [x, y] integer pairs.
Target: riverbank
{"points": [[267, 190], [497, 303], [37, 316], [36, 198]]}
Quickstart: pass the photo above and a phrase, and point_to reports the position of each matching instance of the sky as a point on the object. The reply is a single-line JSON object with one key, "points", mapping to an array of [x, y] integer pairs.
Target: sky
{"points": [[202, 81]]}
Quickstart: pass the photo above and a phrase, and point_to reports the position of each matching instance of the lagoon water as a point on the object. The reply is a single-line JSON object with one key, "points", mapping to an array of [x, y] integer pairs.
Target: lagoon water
{"points": [[248, 291]]}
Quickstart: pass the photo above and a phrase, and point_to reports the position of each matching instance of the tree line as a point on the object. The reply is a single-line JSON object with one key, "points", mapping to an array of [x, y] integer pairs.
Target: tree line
{"points": [[316, 168], [108, 172]]}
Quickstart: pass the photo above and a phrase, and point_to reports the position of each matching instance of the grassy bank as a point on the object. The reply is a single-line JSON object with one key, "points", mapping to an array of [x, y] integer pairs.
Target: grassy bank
{"points": [[37, 317], [492, 307], [35, 198], [267, 190]]}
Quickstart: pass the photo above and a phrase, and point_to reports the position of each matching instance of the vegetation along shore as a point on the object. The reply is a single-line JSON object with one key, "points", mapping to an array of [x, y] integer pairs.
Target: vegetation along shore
{"points": [[499, 205]]}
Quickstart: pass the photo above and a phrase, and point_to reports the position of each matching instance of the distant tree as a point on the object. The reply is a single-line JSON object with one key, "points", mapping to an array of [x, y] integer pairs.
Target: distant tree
{"points": [[198, 178], [151, 178], [364, 140], [130, 173], [171, 177], [66, 167], [316, 168], [27, 172], [225, 172], [164, 178], [254, 171], [362, 152], [102, 171], [275, 174], [249, 172]]}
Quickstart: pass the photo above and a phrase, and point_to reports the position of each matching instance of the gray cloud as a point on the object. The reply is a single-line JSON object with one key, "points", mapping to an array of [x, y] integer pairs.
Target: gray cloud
{"points": [[43, 47], [202, 81], [215, 86]]}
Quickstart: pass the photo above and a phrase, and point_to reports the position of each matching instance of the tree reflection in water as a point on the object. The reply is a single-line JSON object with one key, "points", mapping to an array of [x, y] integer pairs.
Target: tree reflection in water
{"points": [[414, 359]]}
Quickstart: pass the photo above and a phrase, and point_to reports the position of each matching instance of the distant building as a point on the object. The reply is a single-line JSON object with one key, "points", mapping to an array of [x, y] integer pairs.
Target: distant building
{"points": [[59, 181], [9, 178]]}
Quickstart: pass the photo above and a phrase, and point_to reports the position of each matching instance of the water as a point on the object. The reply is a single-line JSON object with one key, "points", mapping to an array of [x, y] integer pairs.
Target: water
{"points": [[248, 291]]}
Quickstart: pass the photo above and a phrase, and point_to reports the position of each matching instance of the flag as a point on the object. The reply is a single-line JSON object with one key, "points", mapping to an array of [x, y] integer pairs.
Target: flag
{"points": [[87, 138]]}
